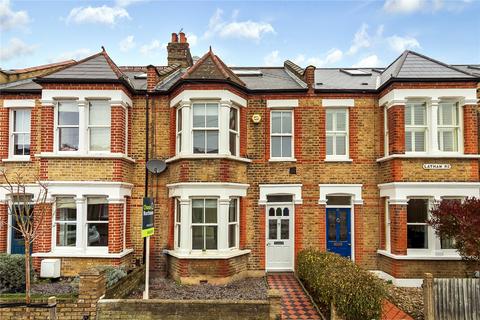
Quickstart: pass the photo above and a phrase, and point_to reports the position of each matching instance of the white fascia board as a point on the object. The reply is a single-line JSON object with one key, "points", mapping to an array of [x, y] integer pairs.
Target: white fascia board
{"points": [[282, 103], [398, 96], [354, 190], [223, 190], [338, 102], [116, 96], [280, 189], [221, 95], [19, 103], [399, 192]]}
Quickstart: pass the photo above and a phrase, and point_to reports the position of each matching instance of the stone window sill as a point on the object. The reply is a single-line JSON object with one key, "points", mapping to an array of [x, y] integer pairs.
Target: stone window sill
{"points": [[338, 160], [19, 159], [429, 156], [447, 256], [282, 160], [207, 255], [73, 254]]}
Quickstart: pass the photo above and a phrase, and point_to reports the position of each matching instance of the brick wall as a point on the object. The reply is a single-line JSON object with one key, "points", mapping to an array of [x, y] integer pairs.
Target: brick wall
{"points": [[118, 127], [4, 127], [470, 123], [398, 228], [115, 227], [396, 129], [3, 227]]}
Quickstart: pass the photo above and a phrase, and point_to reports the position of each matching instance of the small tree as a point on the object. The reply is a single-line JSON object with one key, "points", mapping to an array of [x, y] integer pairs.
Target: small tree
{"points": [[28, 212], [460, 221]]}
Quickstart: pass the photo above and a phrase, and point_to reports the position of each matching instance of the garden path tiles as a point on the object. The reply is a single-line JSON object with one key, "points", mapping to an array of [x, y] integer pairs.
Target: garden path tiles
{"points": [[392, 312], [295, 302]]}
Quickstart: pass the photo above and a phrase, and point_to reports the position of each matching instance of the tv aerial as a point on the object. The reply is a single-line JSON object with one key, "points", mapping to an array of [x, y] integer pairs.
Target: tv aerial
{"points": [[156, 166]]}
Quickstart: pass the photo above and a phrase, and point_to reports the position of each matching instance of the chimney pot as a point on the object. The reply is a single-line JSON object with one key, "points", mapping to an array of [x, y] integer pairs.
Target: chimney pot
{"points": [[183, 39], [174, 37]]}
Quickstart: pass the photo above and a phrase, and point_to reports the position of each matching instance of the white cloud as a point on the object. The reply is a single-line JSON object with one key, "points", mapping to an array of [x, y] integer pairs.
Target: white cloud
{"points": [[10, 19], [15, 48], [332, 56], [412, 6], [103, 15], [272, 59], [361, 39], [192, 39], [248, 29], [400, 44], [403, 6], [299, 59], [77, 54], [127, 43], [370, 61], [126, 3], [151, 48]]}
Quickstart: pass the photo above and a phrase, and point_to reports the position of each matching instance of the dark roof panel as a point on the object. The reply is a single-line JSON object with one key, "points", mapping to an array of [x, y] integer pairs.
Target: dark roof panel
{"points": [[96, 67]]}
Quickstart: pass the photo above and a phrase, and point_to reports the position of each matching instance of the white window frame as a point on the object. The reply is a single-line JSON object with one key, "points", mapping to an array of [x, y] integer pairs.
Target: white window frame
{"points": [[58, 127], [455, 128], [291, 135], [428, 229], [204, 224], [89, 103], [417, 128], [205, 129], [236, 133], [179, 130], [334, 133], [82, 247], [386, 139], [178, 223], [236, 224], [11, 144], [57, 222], [89, 248]]}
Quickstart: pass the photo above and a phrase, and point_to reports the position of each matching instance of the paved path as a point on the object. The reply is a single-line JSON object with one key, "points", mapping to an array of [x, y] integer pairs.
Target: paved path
{"points": [[392, 312], [295, 303]]}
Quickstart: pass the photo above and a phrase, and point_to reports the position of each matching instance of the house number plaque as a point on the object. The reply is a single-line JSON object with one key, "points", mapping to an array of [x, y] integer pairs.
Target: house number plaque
{"points": [[437, 166]]}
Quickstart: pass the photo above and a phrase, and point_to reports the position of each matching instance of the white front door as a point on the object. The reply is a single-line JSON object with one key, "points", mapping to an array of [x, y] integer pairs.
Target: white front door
{"points": [[280, 237]]}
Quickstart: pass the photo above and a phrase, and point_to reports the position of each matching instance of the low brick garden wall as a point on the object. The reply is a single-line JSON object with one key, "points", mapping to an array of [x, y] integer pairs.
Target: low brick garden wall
{"points": [[118, 309], [127, 284]]}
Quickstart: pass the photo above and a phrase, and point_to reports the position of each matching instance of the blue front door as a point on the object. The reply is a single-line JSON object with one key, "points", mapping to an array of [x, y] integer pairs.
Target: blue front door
{"points": [[338, 231], [17, 244]]}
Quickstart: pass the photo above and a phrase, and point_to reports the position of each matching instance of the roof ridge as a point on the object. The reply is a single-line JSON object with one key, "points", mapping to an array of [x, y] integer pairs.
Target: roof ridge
{"points": [[43, 66], [228, 72]]}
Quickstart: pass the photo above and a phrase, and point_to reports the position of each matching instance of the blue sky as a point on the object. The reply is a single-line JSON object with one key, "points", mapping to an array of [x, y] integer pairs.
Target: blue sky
{"points": [[246, 33]]}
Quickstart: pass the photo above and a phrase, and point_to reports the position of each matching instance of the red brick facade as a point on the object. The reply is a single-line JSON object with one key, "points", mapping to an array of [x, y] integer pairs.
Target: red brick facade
{"points": [[398, 228], [470, 122], [396, 129]]}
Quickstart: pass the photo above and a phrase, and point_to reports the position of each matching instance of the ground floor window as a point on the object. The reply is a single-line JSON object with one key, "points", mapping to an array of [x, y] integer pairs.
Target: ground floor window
{"points": [[204, 224], [417, 228], [233, 223]]}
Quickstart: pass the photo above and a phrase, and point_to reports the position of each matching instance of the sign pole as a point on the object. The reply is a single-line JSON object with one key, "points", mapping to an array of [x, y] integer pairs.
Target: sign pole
{"points": [[147, 269], [147, 231]]}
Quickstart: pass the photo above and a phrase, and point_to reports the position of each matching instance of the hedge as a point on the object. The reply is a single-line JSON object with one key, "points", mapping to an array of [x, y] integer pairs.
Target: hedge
{"points": [[12, 273], [330, 278]]}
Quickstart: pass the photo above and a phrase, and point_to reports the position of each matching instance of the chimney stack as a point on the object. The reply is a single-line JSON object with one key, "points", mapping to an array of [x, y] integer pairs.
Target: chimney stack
{"points": [[179, 51]]}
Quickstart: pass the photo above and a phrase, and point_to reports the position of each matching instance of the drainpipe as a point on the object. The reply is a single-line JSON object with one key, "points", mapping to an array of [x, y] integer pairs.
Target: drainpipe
{"points": [[146, 159]]}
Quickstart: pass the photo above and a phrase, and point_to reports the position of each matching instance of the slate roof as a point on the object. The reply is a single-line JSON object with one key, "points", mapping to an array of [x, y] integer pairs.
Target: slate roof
{"points": [[336, 79], [473, 69], [412, 65], [40, 67], [26, 85], [277, 78]]}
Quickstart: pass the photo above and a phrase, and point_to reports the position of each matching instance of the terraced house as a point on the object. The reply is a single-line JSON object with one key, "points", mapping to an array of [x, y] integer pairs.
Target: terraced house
{"points": [[261, 162]]}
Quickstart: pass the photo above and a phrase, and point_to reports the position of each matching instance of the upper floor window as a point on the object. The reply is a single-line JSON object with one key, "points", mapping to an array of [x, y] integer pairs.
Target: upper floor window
{"points": [[205, 128], [234, 136], [337, 133], [99, 122], [179, 129], [281, 134], [68, 125], [20, 132], [448, 127], [415, 127]]}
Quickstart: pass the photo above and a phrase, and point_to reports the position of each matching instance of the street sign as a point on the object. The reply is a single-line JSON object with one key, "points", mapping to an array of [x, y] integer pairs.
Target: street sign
{"points": [[147, 218]]}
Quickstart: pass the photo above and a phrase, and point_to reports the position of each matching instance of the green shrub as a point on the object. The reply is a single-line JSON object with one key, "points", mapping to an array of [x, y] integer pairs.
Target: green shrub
{"points": [[113, 274], [12, 273], [355, 292]]}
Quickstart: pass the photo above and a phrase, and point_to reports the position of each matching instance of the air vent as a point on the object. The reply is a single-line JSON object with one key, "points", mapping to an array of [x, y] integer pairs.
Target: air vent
{"points": [[319, 83], [364, 83], [356, 72]]}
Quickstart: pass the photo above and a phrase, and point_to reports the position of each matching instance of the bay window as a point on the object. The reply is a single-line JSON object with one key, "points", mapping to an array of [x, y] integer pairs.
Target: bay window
{"points": [[233, 223], [337, 133], [20, 133], [68, 125], [205, 128], [204, 224], [66, 222], [448, 126], [281, 134], [234, 136], [417, 227], [415, 127], [99, 123], [97, 222], [179, 130], [178, 222]]}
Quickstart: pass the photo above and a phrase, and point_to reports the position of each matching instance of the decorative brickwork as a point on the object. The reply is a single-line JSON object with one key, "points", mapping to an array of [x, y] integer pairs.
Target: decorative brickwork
{"points": [[398, 228], [470, 123], [396, 129]]}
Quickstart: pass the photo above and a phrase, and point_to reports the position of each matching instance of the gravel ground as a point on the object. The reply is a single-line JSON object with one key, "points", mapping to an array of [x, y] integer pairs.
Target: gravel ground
{"points": [[247, 289], [409, 300], [46, 287]]}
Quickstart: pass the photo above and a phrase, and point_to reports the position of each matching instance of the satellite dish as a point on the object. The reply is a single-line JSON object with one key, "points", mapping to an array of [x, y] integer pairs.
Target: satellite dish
{"points": [[156, 166]]}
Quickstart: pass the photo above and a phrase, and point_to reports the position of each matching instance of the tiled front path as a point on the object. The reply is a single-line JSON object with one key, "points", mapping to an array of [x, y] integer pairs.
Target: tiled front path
{"points": [[295, 303]]}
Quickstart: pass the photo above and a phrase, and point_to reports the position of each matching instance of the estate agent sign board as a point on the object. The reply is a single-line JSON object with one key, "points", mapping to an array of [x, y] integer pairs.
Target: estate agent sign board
{"points": [[147, 218]]}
